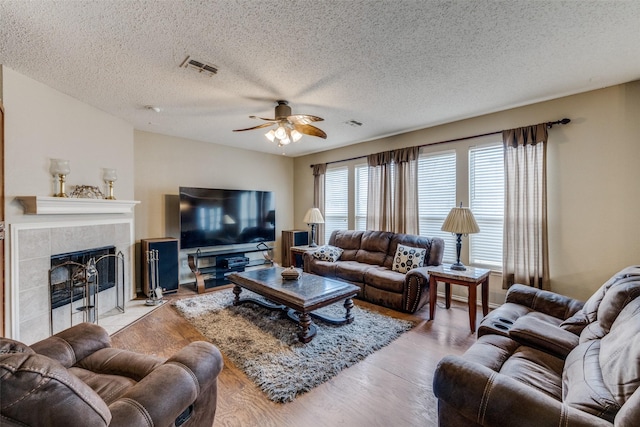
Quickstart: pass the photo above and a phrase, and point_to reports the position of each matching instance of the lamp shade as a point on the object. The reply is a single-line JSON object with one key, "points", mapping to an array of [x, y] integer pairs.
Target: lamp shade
{"points": [[460, 221], [313, 216]]}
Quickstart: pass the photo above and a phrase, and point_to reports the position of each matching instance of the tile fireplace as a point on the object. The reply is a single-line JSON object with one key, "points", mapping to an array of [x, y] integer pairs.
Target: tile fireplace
{"points": [[34, 246]]}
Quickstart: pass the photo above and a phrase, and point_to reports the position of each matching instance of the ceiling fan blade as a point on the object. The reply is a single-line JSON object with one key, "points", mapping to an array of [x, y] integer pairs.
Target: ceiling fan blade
{"points": [[310, 130], [304, 119], [264, 125], [262, 118]]}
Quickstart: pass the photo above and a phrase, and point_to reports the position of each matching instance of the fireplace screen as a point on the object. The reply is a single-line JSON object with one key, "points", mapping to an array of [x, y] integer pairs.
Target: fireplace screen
{"points": [[77, 279]]}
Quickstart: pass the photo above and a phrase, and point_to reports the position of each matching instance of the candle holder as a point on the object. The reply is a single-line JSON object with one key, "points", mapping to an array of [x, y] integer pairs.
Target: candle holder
{"points": [[59, 168], [109, 176]]}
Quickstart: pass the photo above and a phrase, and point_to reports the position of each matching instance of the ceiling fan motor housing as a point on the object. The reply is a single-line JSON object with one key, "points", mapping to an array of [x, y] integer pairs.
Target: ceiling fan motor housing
{"points": [[282, 110]]}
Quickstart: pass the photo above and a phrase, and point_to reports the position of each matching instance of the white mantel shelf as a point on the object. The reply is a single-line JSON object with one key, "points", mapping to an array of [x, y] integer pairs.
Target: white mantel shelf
{"points": [[41, 205]]}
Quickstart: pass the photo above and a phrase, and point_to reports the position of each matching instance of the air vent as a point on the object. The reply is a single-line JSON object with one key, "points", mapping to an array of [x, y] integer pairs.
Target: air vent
{"points": [[353, 123], [202, 67]]}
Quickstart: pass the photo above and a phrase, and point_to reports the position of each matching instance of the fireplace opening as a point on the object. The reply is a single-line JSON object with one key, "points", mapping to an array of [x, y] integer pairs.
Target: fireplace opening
{"points": [[67, 281]]}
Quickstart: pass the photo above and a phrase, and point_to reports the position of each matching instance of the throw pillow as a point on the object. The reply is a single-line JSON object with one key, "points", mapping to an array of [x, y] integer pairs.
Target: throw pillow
{"points": [[328, 253], [408, 258]]}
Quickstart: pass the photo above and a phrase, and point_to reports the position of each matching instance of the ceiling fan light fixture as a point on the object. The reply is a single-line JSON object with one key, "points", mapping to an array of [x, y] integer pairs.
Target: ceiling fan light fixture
{"points": [[295, 135], [281, 132], [271, 135]]}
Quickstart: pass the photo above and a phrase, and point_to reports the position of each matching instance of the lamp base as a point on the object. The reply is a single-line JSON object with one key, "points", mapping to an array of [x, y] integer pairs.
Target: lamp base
{"points": [[458, 266]]}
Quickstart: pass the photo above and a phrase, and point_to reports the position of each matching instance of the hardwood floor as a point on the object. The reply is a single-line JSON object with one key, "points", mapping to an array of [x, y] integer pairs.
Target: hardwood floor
{"points": [[392, 387]]}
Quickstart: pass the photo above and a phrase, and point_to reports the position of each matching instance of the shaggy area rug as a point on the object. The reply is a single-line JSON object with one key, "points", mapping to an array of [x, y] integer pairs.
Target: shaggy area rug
{"points": [[264, 343]]}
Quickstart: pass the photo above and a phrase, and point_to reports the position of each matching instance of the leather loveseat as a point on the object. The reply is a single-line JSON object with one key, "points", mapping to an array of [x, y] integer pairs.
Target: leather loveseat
{"points": [[75, 378], [533, 373], [369, 259]]}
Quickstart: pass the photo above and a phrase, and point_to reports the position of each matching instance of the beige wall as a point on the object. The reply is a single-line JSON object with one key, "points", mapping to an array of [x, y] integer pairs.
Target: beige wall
{"points": [[42, 123], [593, 179], [164, 163]]}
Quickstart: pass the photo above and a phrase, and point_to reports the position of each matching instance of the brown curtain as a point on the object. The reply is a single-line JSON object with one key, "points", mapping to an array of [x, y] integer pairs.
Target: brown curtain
{"points": [[379, 193], [525, 247], [405, 203], [392, 198], [318, 197]]}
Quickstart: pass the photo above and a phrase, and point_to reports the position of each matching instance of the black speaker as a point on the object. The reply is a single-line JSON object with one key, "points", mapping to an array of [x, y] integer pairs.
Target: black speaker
{"points": [[167, 248]]}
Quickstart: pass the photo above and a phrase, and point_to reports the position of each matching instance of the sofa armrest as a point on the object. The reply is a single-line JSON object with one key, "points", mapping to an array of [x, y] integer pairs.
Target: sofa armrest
{"points": [[488, 398], [307, 259], [546, 302], [164, 394], [537, 333], [416, 284], [73, 344]]}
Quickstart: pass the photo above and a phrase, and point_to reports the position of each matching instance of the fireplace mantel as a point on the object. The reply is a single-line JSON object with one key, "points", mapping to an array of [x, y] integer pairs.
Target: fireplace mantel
{"points": [[42, 205]]}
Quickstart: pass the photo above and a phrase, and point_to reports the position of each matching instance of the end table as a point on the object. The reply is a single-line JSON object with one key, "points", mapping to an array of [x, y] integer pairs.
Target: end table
{"points": [[298, 250], [471, 278]]}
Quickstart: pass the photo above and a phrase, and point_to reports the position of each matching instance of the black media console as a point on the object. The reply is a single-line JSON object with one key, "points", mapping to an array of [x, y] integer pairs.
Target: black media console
{"points": [[211, 268]]}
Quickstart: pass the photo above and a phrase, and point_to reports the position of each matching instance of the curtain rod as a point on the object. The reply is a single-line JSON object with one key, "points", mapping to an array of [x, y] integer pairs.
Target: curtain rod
{"points": [[549, 125]]}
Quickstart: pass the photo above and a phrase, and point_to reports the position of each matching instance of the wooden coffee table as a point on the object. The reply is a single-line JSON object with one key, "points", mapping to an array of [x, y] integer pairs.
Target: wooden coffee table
{"points": [[298, 298]]}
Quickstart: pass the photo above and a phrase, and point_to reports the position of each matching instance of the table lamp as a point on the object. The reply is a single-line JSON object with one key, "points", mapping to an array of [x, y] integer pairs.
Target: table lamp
{"points": [[312, 218], [460, 221]]}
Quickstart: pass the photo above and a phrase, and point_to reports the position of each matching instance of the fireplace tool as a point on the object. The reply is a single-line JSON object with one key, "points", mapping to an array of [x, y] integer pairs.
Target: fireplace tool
{"points": [[155, 292]]}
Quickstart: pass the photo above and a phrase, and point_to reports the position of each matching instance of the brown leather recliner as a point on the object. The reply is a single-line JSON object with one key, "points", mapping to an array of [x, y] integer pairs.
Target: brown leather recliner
{"points": [[528, 311], [76, 378], [534, 375]]}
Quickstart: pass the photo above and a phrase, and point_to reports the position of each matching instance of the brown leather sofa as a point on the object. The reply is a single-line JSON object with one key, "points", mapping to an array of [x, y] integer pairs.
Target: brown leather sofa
{"points": [[76, 378], [535, 374], [367, 261]]}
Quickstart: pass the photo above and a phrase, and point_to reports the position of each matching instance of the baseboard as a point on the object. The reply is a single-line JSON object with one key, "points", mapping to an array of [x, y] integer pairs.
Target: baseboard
{"points": [[464, 300]]}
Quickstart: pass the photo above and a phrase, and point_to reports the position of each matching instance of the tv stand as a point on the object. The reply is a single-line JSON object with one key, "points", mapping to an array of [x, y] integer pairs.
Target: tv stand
{"points": [[212, 267]]}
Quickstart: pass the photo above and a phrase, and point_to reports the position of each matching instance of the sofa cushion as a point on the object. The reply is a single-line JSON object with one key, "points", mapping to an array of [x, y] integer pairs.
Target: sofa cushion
{"points": [[605, 304], [620, 354], [374, 247], [351, 271], [385, 279], [583, 386], [37, 390], [323, 268], [327, 253], [348, 241], [536, 369], [407, 258]]}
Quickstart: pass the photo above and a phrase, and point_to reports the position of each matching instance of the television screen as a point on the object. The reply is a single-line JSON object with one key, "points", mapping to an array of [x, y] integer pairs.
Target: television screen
{"points": [[215, 217]]}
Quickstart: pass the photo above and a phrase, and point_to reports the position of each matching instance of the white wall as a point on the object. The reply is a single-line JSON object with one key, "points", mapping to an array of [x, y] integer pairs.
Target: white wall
{"points": [[164, 163], [593, 180], [42, 123]]}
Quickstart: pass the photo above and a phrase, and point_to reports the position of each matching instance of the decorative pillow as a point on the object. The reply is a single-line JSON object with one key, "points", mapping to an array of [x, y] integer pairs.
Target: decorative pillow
{"points": [[408, 258], [328, 253]]}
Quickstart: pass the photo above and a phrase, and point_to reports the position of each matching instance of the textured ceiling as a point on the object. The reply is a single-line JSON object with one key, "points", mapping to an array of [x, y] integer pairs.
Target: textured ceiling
{"points": [[392, 65]]}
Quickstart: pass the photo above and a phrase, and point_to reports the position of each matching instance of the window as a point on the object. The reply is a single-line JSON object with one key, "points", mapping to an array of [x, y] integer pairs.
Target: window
{"points": [[336, 201], [436, 196], [486, 200], [361, 188]]}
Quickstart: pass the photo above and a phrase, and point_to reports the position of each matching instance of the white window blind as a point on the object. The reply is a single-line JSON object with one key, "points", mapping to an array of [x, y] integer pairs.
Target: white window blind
{"points": [[361, 188], [436, 196], [336, 201], [486, 187]]}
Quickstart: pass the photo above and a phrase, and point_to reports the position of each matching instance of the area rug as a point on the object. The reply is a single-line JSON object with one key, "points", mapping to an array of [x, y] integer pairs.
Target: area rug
{"points": [[264, 343]]}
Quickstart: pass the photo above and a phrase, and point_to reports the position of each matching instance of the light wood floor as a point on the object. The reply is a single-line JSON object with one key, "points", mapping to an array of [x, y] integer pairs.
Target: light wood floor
{"points": [[392, 387]]}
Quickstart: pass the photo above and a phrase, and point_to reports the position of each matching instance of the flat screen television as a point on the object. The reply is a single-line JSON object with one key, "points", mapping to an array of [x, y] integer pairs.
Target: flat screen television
{"points": [[218, 217]]}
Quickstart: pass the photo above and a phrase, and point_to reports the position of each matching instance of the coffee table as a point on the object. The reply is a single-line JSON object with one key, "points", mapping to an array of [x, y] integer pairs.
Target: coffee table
{"points": [[298, 298]]}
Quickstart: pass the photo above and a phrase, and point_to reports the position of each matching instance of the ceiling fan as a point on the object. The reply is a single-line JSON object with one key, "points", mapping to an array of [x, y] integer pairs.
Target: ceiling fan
{"points": [[289, 127]]}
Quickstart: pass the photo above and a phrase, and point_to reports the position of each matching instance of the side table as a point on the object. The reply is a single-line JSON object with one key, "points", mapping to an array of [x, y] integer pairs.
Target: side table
{"points": [[471, 278], [297, 250]]}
